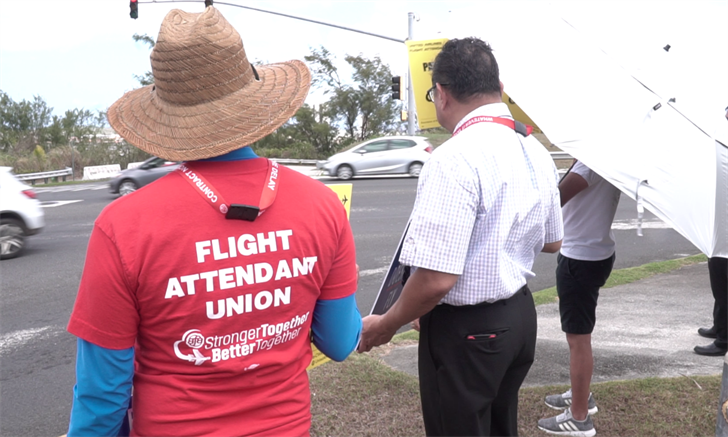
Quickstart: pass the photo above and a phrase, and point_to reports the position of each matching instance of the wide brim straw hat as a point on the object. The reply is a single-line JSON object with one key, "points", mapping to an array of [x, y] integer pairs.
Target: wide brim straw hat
{"points": [[207, 99]]}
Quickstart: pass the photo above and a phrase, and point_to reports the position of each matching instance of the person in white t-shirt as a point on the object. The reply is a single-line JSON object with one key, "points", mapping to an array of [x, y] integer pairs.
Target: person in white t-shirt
{"points": [[585, 262]]}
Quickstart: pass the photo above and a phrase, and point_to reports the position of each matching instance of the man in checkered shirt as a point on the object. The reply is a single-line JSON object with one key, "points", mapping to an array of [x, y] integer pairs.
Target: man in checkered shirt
{"points": [[487, 204]]}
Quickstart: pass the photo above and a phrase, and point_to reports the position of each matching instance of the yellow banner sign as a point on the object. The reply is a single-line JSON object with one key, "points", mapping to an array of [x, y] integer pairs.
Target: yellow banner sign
{"points": [[421, 56], [518, 113], [344, 193]]}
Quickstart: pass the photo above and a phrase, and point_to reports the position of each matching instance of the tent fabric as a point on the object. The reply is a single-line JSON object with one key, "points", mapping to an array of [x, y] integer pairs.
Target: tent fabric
{"points": [[627, 121]]}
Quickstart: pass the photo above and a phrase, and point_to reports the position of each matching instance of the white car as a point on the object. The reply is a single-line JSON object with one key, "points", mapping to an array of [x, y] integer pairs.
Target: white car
{"points": [[388, 155], [20, 214]]}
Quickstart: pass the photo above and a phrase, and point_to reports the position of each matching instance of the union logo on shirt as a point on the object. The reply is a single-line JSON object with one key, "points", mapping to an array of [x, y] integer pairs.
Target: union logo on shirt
{"points": [[192, 339]]}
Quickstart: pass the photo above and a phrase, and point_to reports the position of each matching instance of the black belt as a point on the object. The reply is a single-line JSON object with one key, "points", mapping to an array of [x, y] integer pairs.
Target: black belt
{"points": [[523, 290]]}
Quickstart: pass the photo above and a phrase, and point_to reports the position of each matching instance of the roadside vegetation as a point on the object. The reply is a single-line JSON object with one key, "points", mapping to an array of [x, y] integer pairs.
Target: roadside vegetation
{"points": [[363, 396]]}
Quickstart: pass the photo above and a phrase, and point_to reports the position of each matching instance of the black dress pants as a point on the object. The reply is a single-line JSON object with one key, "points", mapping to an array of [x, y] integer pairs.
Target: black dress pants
{"points": [[718, 269], [472, 362]]}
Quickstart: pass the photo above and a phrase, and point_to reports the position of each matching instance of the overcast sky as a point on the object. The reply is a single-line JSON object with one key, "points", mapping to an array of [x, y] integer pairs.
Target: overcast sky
{"points": [[80, 53]]}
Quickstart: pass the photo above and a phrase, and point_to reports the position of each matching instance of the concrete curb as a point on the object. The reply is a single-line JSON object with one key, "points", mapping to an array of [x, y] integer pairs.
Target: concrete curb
{"points": [[644, 329]]}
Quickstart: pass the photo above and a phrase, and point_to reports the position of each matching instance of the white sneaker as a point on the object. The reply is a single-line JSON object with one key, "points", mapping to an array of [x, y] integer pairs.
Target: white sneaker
{"points": [[565, 424], [563, 401]]}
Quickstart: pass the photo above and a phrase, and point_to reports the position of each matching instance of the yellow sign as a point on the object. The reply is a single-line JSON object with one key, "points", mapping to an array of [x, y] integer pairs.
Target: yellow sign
{"points": [[344, 193], [421, 56], [318, 358], [518, 113]]}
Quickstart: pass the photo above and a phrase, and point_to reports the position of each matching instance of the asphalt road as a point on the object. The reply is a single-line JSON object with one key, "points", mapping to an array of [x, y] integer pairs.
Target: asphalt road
{"points": [[37, 290]]}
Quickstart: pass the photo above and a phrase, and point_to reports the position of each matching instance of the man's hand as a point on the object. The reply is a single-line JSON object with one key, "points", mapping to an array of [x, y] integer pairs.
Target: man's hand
{"points": [[374, 332], [423, 290], [416, 324]]}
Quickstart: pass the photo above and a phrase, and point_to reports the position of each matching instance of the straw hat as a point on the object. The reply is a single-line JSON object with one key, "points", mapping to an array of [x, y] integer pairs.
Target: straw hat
{"points": [[207, 99]]}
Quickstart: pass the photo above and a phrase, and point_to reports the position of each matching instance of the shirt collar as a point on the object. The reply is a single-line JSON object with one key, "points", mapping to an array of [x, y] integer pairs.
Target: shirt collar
{"points": [[236, 155], [492, 110]]}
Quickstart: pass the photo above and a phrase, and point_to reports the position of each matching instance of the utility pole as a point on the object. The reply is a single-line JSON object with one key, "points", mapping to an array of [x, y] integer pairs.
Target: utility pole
{"points": [[73, 159], [279, 14], [410, 91]]}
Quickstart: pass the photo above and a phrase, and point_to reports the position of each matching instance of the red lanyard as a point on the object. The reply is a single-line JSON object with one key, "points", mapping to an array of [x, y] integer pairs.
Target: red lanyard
{"points": [[486, 119], [233, 210]]}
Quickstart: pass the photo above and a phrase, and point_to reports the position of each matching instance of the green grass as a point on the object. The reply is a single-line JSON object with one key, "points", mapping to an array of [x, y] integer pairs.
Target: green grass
{"points": [[403, 337], [628, 275], [364, 397], [645, 407]]}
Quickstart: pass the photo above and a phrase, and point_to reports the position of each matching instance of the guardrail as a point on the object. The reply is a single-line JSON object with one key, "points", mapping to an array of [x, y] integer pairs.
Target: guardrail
{"points": [[560, 155], [295, 161], [554, 156], [32, 177], [45, 175]]}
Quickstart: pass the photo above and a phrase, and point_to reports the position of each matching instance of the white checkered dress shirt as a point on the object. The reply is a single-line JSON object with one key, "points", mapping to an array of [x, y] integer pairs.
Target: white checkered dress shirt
{"points": [[487, 201]]}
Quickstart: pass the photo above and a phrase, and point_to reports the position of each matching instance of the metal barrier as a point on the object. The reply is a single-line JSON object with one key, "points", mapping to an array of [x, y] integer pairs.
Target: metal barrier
{"points": [[45, 175], [560, 155], [294, 161], [554, 156], [32, 177]]}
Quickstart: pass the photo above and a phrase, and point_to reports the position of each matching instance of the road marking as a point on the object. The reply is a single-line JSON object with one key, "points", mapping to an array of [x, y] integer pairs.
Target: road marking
{"points": [[64, 188], [54, 203], [18, 338], [631, 224], [372, 209], [373, 271]]}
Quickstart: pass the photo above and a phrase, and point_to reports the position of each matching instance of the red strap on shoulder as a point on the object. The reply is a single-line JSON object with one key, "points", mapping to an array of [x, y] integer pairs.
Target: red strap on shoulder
{"points": [[205, 189], [487, 119]]}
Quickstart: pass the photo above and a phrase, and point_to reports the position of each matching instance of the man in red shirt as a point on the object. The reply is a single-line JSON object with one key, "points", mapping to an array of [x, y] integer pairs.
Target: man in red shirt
{"points": [[200, 289]]}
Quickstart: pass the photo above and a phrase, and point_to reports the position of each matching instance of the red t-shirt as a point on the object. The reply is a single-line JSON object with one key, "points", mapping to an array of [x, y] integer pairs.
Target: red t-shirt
{"points": [[219, 310]]}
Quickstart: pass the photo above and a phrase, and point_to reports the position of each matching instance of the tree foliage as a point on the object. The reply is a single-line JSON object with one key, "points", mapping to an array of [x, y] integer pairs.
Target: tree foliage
{"points": [[146, 78], [355, 110], [32, 139], [363, 108], [27, 124]]}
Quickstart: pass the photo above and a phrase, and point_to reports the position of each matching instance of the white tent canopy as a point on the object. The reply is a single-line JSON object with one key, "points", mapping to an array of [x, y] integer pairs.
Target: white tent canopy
{"points": [[599, 83]]}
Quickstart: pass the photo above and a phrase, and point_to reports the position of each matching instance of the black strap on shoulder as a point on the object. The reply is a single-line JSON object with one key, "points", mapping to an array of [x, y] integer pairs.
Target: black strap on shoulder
{"points": [[521, 128]]}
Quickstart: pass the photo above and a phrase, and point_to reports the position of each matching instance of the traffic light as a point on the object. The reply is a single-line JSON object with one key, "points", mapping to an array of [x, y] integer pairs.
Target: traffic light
{"points": [[396, 88], [134, 9]]}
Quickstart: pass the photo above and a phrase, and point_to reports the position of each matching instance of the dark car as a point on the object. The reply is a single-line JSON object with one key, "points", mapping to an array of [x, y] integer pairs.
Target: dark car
{"points": [[149, 171]]}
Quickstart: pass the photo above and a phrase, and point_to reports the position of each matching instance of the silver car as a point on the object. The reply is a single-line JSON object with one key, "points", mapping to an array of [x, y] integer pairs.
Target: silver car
{"points": [[149, 171], [388, 155]]}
